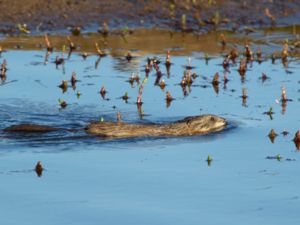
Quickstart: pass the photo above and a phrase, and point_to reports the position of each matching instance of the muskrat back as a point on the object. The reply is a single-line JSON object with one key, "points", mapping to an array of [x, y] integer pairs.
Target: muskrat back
{"points": [[194, 125]]}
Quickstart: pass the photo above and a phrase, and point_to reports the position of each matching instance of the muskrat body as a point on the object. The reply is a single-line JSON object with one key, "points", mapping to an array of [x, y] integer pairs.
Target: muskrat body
{"points": [[195, 125]]}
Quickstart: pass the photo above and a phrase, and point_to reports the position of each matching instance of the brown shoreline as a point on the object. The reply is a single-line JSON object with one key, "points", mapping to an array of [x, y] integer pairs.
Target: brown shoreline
{"points": [[58, 15]]}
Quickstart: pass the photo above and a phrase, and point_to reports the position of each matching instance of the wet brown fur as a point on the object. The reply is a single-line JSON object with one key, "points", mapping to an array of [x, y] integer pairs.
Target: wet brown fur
{"points": [[195, 125]]}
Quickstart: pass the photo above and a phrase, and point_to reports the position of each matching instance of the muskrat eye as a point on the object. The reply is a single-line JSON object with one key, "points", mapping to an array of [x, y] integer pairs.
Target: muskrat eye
{"points": [[212, 119]]}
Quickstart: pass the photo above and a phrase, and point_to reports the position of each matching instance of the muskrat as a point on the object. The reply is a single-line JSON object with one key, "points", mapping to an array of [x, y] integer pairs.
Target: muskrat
{"points": [[194, 125]]}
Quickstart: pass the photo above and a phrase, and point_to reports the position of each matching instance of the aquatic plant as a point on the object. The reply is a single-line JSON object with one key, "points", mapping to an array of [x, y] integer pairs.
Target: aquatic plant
{"points": [[39, 169], [209, 160], [278, 157], [23, 28], [62, 103]]}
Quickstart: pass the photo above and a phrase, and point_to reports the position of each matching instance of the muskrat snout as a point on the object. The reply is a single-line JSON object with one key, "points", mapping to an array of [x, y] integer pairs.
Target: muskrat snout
{"points": [[222, 122], [218, 122]]}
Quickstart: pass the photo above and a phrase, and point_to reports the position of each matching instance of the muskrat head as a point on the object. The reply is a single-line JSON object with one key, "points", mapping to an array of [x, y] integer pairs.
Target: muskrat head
{"points": [[205, 123]]}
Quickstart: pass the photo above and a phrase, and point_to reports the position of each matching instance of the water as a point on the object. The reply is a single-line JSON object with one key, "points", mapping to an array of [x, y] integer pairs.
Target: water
{"points": [[89, 180]]}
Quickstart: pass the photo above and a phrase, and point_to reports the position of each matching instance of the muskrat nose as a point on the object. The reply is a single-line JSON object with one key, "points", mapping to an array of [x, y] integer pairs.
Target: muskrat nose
{"points": [[220, 121]]}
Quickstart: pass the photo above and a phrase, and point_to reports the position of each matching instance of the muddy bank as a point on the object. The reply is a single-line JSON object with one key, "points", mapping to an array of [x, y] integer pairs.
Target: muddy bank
{"points": [[58, 15], [143, 42]]}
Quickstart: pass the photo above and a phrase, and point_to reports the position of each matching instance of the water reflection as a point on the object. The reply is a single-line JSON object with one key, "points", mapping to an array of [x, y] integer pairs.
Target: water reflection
{"points": [[140, 110], [122, 64], [97, 62], [244, 97]]}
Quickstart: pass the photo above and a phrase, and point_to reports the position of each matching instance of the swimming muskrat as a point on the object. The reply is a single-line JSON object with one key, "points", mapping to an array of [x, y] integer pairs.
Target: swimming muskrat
{"points": [[194, 125]]}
